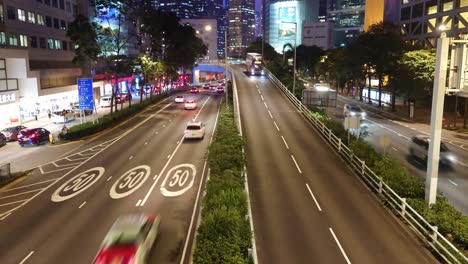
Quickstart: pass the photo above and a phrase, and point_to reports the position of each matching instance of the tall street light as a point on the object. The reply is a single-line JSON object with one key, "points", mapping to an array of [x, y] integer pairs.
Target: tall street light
{"points": [[295, 39], [225, 65]]}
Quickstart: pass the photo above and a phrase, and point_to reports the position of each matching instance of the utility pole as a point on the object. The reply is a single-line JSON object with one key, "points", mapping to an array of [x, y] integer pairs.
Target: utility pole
{"points": [[436, 118], [226, 66]]}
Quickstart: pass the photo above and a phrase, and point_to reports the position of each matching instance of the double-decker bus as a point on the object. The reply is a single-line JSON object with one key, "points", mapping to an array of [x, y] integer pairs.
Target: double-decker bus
{"points": [[254, 64]]}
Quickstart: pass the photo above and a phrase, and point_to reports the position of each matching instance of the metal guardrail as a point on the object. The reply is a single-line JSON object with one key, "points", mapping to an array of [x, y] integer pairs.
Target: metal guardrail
{"points": [[421, 226]]}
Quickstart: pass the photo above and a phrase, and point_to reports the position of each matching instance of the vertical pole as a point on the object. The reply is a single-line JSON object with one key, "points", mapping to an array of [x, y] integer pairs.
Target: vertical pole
{"points": [[225, 67], [436, 118], [294, 70]]}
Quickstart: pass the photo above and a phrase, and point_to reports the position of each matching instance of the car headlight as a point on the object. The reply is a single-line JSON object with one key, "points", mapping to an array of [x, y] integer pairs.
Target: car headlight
{"points": [[364, 113], [353, 114], [451, 158]]}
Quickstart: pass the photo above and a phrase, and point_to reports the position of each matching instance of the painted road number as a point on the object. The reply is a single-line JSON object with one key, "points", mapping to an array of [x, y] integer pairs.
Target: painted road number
{"points": [[129, 182], [77, 184], [178, 180]]}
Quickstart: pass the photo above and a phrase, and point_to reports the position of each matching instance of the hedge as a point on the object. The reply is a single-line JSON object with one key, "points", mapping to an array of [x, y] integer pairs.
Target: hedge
{"points": [[451, 222], [110, 120], [224, 234]]}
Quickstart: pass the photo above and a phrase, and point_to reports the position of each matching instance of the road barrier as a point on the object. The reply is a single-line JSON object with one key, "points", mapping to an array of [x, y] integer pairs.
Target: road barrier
{"points": [[399, 206]]}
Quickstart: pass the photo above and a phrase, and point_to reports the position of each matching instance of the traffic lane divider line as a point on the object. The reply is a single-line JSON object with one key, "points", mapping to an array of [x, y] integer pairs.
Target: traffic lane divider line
{"points": [[79, 207], [285, 143], [5, 216], [297, 165], [5, 204], [276, 125], [23, 186], [313, 197], [17, 194], [27, 257], [339, 245]]}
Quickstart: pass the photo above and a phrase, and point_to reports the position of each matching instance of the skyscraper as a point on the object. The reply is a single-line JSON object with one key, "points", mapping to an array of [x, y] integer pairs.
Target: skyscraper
{"points": [[241, 21], [183, 9], [348, 17]]}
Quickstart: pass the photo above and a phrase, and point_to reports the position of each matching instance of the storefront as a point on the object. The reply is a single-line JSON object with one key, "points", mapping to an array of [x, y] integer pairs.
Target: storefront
{"points": [[9, 108]]}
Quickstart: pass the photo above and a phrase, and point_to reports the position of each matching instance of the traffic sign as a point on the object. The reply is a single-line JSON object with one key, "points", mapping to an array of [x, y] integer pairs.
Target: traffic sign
{"points": [[85, 93]]}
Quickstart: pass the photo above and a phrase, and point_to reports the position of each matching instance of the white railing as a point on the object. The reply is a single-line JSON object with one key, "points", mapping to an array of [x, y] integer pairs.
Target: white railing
{"points": [[421, 226]]}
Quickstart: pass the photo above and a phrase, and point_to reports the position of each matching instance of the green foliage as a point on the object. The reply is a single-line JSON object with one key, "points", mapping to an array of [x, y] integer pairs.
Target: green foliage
{"points": [[366, 152], [83, 35], [421, 63], [224, 234]]}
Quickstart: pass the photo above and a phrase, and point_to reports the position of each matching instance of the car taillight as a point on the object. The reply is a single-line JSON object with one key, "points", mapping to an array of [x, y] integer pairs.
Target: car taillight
{"points": [[18, 136], [33, 135]]}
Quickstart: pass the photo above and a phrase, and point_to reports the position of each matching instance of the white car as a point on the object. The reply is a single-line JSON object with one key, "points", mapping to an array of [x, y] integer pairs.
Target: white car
{"points": [[353, 110], [190, 104], [194, 130], [63, 116], [179, 99], [105, 101], [129, 240]]}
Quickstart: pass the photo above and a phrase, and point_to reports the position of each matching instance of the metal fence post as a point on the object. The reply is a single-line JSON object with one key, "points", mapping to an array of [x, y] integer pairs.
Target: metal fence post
{"points": [[339, 145], [403, 208], [363, 167], [434, 235], [380, 185]]}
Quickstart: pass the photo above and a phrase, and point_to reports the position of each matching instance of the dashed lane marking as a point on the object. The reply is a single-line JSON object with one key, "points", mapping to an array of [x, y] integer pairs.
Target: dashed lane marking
{"points": [[313, 197], [276, 125], [79, 207], [285, 143], [297, 165], [339, 245], [452, 182], [270, 114], [26, 258]]}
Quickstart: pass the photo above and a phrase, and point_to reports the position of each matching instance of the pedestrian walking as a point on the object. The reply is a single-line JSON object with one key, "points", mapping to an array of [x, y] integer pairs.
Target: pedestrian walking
{"points": [[49, 113]]}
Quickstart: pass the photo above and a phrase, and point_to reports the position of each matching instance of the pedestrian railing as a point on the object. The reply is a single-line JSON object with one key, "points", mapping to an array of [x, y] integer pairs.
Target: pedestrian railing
{"points": [[399, 206]]}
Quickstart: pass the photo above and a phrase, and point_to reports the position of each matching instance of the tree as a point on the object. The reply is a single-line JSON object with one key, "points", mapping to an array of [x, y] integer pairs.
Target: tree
{"points": [[285, 46], [83, 34], [307, 57]]}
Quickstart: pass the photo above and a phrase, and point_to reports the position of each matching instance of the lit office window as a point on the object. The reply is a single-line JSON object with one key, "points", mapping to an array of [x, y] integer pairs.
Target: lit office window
{"points": [[58, 44], [464, 15], [1, 14], [431, 9], [31, 18], [447, 6], [2, 38], [50, 43], [40, 20], [23, 40], [463, 3], [21, 15], [13, 40]]}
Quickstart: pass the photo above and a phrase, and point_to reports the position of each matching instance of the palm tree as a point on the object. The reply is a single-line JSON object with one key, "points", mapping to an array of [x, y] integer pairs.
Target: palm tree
{"points": [[287, 45]]}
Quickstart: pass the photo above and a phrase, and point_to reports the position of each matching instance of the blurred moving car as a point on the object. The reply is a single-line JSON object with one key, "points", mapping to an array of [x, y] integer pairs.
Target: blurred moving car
{"points": [[419, 148], [353, 110], [11, 133], [63, 116], [190, 104], [179, 99], [33, 136], [194, 130], [206, 86], [194, 90], [105, 101], [220, 89], [76, 110], [3, 140], [129, 241]]}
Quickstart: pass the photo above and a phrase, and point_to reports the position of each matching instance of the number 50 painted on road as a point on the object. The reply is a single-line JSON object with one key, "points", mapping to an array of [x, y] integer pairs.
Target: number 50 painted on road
{"points": [[178, 180]]}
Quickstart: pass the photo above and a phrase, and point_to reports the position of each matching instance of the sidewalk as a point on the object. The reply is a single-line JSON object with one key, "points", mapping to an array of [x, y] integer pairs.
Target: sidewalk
{"points": [[422, 115]]}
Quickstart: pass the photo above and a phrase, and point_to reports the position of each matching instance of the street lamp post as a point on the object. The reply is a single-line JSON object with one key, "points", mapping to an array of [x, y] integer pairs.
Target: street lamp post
{"points": [[225, 66], [295, 45]]}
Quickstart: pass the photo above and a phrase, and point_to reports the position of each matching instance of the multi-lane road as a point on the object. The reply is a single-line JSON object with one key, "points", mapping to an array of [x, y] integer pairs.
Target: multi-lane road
{"points": [[62, 211], [453, 180], [307, 206]]}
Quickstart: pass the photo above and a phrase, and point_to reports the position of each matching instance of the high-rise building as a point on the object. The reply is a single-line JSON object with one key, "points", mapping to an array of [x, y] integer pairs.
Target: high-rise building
{"points": [[183, 9], [36, 70], [421, 21], [241, 21], [348, 18]]}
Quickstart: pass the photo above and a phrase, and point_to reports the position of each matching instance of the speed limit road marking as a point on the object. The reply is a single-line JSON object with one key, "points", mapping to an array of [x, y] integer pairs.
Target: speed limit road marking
{"points": [[77, 184], [129, 182], [178, 180]]}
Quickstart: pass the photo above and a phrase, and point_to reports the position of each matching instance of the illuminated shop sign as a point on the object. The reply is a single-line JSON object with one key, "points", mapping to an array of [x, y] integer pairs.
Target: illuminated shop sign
{"points": [[7, 98]]}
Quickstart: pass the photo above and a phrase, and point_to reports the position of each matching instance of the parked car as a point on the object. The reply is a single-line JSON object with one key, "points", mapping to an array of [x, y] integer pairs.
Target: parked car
{"points": [[64, 116], [190, 104], [353, 110], [194, 130], [105, 101], [11, 133], [3, 140], [194, 90], [33, 136], [179, 99], [129, 241], [76, 110], [419, 148]]}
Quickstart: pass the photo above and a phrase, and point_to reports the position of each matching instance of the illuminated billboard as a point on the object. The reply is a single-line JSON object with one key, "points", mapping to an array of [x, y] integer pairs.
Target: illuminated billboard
{"points": [[287, 18]]}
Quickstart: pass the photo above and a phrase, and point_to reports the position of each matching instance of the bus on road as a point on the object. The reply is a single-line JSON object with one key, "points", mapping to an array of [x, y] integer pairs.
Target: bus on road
{"points": [[254, 64]]}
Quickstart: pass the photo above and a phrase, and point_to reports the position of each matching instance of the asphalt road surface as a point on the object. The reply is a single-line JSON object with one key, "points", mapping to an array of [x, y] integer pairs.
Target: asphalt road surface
{"points": [[307, 206], [453, 179], [61, 213]]}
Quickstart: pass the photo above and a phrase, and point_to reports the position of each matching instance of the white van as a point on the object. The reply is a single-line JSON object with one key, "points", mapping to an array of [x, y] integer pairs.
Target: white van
{"points": [[105, 101]]}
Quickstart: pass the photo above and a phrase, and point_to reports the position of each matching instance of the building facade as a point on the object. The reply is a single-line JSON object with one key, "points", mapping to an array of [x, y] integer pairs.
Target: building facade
{"points": [[36, 70], [285, 24], [348, 19], [318, 34], [241, 26], [421, 20], [206, 30]]}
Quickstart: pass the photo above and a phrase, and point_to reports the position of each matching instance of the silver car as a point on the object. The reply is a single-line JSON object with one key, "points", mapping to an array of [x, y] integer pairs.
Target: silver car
{"points": [[353, 110], [419, 148]]}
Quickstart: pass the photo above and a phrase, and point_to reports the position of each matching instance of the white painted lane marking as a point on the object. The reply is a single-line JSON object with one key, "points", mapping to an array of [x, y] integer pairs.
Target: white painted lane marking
{"points": [[297, 166], [395, 149], [146, 143], [131, 157], [277, 128], [5, 204], [263, 99], [265, 105], [5, 216], [26, 258], [339, 245], [313, 197], [18, 194], [108, 179], [214, 127], [259, 92], [82, 205], [256, 85], [270, 114], [384, 127], [156, 132], [193, 214], [168, 156], [452, 182], [138, 203], [24, 186], [286, 144]]}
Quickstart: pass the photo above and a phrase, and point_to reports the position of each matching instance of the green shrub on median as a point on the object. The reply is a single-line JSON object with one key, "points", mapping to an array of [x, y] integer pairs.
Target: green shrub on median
{"points": [[224, 233]]}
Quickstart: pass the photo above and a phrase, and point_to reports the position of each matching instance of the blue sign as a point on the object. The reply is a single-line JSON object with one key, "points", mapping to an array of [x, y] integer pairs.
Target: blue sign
{"points": [[85, 93]]}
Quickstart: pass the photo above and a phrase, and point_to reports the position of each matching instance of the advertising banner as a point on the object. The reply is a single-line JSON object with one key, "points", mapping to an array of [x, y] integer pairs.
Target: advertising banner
{"points": [[286, 28]]}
